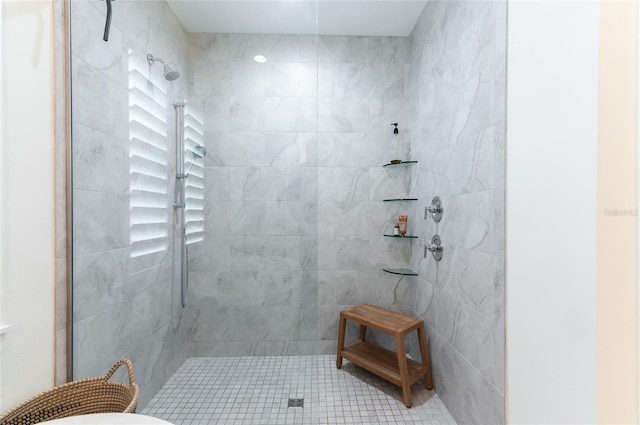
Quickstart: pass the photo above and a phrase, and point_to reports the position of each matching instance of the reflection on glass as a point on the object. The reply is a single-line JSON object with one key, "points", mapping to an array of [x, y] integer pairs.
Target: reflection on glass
{"points": [[148, 164], [194, 167]]}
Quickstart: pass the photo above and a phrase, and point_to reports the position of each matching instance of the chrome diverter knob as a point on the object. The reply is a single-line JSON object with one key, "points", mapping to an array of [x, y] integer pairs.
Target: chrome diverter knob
{"points": [[435, 209], [435, 248]]}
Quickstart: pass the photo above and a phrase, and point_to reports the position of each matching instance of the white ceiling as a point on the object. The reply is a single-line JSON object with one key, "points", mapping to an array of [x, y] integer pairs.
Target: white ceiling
{"points": [[325, 17]]}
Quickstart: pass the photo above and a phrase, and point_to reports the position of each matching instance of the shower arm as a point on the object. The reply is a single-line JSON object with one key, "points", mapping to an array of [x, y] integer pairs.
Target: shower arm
{"points": [[107, 24]]}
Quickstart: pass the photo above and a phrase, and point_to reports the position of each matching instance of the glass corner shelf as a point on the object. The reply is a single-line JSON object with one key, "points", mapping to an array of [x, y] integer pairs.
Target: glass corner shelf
{"points": [[399, 199], [403, 272], [401, 164], [404, 237]]}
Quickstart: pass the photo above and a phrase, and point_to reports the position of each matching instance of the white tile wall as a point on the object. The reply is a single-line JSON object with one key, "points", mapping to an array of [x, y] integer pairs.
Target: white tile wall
{"points": [[124, 306], [295, 183], [456, 110]]}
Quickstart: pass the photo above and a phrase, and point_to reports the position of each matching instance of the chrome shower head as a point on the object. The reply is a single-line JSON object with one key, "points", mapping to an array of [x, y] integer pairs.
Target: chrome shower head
{"points": [[170, 74]]}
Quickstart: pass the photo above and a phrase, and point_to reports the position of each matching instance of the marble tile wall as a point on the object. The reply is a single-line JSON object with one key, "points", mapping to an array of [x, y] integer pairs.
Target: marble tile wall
{"points": [[253, 279], [294, 190], [457, 81], [294, 182], [362, 89], [124, 305]]}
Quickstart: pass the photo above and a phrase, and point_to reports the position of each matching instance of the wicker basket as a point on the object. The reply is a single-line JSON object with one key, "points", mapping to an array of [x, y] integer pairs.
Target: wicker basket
{"points": [[92, 395]]}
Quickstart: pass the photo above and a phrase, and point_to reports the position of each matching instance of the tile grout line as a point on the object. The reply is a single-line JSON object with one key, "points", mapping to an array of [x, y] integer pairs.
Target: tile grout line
{"points": [[256, 390]]}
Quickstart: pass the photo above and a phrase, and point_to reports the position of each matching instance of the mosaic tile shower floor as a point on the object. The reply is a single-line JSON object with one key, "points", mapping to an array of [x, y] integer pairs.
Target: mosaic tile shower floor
{"points": [[256, 391]]}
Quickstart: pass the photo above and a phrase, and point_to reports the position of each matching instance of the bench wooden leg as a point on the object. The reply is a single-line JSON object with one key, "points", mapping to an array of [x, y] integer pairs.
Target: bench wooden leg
{"points": [[341, 331], [363, 333], [404, 372], [424, 353]]}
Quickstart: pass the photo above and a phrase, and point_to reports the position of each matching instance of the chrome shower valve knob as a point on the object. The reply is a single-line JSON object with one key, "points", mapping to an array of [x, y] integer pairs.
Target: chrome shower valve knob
{"points": [[435, 248], [435, 209]]}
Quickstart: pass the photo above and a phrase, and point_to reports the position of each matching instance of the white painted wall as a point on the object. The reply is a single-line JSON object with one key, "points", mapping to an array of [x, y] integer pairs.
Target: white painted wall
{"points": [[552, 106], [638, 205], [27, 201]]}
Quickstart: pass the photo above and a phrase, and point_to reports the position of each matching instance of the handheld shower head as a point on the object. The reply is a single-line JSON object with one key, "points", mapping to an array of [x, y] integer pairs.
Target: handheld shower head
{"points": [[198, 152], [170, 74]]}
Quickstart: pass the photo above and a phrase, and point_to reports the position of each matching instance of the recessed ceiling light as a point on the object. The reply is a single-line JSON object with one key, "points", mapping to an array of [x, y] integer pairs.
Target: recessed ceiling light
{"points": [[259, 58]]}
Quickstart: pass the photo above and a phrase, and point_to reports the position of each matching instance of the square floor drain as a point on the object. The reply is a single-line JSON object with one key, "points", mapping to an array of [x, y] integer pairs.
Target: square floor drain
{"points": [[296, 402]]}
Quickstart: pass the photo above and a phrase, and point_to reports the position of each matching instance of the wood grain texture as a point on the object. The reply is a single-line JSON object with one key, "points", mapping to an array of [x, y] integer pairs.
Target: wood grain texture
{"points": [[394, 367]]}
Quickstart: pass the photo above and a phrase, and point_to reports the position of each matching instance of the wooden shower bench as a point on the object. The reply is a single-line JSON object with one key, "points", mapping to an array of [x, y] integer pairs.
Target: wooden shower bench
{"points": [[394, 367]]}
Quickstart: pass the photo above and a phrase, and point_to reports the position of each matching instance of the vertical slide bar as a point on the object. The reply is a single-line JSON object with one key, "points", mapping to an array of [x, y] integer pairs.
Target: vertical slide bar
{"points": [[179, 203]]}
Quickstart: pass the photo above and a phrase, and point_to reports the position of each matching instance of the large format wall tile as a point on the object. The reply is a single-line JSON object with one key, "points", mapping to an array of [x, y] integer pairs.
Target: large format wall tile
{"points": [[388, 49], [261, 218], [355, 218], [456, 110], [385, 111], [359, 149], [247, 323], [99, 102], [278, 48], [126, 303], [372, 287], [97, 155], [294, 185], [273, 114], [392, 183], [224, 78], [291, 348], [101, 221], [291, 79], [343, 184], [460, 381], [339, 49], [227, 288], [124, 325], [343, 253], [103, 277], [475, 278], [265, 253], [291, 149], [211, 255], [369, 80], [104, 57], [476, 221], [261, 149], [342, 114], [205, 46], [215, 110], [227, 349]]}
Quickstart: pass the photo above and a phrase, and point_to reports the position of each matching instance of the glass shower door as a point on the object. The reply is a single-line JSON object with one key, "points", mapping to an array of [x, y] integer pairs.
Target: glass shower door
{"points": [[251, 202]]}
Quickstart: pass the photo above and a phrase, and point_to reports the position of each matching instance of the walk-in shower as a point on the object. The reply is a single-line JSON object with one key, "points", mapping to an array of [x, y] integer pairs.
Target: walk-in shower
{"points": [[235, 208], [199, 192]]}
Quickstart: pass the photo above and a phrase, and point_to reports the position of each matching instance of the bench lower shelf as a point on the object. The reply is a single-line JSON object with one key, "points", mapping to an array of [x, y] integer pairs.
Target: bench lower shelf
{"points": [[382, 362]]}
